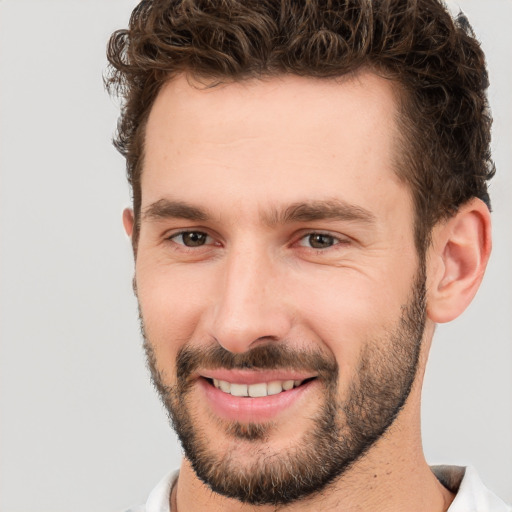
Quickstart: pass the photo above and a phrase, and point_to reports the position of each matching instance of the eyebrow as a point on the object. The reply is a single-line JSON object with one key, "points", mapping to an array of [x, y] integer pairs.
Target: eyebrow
{"points": [[165, 209], [332, 209]]}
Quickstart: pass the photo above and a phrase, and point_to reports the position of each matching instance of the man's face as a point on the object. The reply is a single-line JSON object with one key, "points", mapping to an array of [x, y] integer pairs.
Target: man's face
{"points": [[276, 259]]}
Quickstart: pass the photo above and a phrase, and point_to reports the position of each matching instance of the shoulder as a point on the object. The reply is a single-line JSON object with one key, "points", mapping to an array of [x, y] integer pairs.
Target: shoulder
{"points": [[158, 499], [471, 494]]}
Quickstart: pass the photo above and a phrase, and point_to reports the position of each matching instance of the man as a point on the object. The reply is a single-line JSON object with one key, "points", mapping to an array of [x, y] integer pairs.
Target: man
{"points": [[309, 201]]}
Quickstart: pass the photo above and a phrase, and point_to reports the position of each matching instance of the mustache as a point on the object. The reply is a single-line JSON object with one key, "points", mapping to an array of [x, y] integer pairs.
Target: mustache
{"points": [[271, 356]]}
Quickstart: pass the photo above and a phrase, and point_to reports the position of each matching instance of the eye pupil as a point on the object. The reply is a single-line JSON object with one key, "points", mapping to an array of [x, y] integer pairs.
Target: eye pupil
{"points": [[194, 238], [320, 241]]}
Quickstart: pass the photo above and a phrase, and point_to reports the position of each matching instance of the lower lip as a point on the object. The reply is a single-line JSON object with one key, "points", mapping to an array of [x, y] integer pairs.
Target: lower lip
{"points": [[252, 410]]}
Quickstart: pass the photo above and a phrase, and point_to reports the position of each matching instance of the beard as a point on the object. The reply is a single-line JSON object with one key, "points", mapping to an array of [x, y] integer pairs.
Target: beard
{"points": [[341, 432]]}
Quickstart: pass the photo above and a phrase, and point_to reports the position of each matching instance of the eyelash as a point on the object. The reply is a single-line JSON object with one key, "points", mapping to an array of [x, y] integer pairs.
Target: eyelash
{"points": [[172, 238], [335, 240]]}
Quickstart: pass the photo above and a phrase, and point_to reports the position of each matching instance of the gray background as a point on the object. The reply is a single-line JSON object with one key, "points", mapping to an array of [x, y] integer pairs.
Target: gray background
{"points": [[81, 428]]}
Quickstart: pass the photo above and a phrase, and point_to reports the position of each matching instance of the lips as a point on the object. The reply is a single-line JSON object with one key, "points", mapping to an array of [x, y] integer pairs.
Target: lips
{"points": [[243, 396]]}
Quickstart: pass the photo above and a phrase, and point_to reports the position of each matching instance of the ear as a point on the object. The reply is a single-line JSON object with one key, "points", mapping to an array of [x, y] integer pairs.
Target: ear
{"points": [[128, 221], [456, 260]]}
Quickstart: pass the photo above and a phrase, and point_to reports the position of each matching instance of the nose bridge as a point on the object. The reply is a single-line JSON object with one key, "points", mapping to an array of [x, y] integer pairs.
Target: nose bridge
{"points": [[248, 307]]}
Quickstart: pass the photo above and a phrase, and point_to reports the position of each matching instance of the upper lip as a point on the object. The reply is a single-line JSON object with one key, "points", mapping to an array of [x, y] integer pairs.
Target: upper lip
{"points": [[255, 376]]}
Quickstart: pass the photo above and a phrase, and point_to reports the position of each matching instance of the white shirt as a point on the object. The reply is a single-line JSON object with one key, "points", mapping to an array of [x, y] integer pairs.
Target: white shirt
{"points": [[471, 494]]}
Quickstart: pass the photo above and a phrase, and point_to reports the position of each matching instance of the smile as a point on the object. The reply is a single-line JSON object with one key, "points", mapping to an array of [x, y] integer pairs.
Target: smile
{"points": [[257, 390], [254, 396]]}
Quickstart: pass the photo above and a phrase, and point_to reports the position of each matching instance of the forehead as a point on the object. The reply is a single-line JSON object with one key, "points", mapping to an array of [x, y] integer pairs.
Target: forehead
{"points": [[283, 139]]}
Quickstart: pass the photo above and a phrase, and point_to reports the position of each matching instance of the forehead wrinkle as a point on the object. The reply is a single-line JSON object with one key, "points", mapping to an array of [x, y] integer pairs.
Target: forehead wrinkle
{"points": [[331, 209]]}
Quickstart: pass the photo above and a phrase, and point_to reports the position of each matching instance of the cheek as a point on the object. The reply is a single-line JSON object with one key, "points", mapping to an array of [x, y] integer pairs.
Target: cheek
{"points": [[171, 303], [347, 311]]}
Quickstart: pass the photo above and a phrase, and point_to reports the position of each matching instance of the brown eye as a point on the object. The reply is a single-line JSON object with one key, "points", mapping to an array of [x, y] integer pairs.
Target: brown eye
{"points": [[318, 241], [191, 238]]}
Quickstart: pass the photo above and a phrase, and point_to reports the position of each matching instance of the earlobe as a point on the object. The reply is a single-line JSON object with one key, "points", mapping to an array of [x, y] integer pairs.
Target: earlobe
{"points": [[128, 221], [460, 250]]}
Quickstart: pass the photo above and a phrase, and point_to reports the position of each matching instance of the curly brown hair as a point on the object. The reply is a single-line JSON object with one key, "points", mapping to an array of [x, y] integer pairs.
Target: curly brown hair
{"points": [[435, 60]]}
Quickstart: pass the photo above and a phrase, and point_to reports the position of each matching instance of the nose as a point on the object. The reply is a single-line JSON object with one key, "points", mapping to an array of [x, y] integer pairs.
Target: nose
{"points": [[251, 306]]}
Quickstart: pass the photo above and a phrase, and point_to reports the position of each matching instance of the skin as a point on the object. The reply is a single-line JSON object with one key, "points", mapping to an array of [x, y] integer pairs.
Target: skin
{"points": [[242, 152]]}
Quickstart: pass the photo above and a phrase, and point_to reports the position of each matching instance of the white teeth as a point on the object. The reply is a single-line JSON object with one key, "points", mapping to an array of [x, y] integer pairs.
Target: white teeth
{"points": [[239, 390], [288, 384], [225, 386], [273, 388], [256, 390]]}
